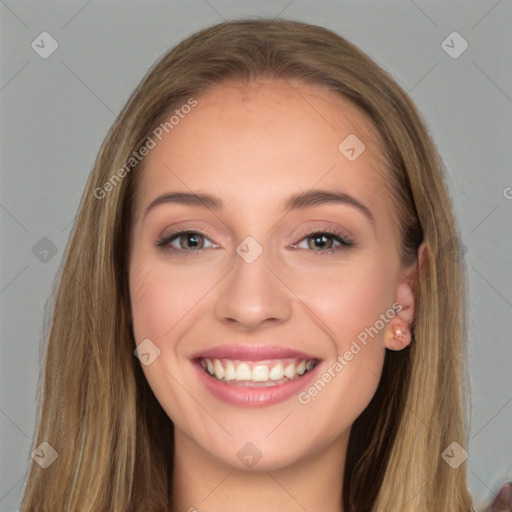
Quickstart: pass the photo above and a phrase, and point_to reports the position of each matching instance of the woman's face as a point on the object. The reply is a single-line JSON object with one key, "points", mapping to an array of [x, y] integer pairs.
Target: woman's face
{"points": [[287, 294]]}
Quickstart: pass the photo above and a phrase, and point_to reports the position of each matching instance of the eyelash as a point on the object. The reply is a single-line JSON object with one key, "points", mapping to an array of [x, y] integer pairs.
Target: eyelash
{"points": [[345, 241]]}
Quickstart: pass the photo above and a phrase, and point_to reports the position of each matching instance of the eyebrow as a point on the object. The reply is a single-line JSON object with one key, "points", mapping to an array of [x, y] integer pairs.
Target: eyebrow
{"points": [[314, 197]]}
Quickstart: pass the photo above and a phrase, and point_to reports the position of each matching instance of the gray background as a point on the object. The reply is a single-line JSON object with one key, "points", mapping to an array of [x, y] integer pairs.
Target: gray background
{"points": [[55, 113]]}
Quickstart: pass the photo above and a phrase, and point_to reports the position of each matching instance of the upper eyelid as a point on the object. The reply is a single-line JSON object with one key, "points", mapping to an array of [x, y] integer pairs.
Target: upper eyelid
{"points": [[304, 231], [181, 231]]}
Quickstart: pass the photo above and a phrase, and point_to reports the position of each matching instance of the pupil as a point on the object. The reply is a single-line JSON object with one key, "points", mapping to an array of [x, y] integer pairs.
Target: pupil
{"points": [[318, 240], [192, 237]]}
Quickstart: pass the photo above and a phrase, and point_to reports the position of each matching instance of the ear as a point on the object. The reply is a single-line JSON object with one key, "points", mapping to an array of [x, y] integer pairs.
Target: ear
{"points": [[398, 332]]}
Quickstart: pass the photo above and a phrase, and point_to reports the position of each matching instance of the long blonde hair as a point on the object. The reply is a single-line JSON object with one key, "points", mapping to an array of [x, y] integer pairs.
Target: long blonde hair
{"points": [[113, 439]]}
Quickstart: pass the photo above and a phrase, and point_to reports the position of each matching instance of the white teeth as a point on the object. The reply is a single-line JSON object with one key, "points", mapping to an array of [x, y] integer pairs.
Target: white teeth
{"points": [[243, 372], [268, 372], [277, 373], [230, 371], [218, 369], [289, 371], [260, 373]]}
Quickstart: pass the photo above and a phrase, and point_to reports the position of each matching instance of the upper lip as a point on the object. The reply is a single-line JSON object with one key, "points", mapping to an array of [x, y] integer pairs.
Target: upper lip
{"points": [[252, 352]]}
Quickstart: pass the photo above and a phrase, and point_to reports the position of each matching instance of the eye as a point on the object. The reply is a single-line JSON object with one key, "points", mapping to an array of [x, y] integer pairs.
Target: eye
{"points": [[188, 241], [324, 242]]}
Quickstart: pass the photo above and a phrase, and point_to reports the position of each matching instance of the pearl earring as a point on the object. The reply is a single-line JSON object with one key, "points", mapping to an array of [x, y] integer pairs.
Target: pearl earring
{"points": [[400, 335]]}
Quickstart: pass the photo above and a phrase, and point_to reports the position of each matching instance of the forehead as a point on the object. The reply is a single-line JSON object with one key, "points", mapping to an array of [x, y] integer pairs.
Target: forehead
{"points": [[254, 142]]}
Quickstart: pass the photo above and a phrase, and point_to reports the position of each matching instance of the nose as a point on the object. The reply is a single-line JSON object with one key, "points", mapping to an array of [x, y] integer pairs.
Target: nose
{"points": [[253, 294]]}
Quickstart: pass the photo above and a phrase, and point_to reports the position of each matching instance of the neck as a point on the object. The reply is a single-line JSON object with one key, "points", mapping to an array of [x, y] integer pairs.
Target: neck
{"points": [[202, 482]]}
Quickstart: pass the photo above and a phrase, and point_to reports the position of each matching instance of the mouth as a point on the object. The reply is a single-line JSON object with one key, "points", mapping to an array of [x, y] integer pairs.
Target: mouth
{"points": [[254, 376], [263, 373]]}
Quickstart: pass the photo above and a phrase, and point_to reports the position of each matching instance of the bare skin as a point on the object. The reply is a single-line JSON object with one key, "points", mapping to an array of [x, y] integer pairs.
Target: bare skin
{"points": [[253, 146]]}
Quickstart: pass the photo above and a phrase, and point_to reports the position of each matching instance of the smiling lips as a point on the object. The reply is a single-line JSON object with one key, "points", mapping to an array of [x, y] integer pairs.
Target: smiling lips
{"points": [[254, 375]]}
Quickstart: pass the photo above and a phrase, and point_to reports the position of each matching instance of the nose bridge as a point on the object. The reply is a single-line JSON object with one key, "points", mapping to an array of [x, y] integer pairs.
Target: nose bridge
{"points": [[252, 294]]}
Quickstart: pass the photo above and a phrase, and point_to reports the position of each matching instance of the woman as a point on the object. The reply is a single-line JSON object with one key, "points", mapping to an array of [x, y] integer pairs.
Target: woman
{"points": [[262, 305]]}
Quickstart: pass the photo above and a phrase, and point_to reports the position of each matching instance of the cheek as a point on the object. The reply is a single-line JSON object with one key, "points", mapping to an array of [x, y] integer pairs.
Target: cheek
{"points": [[160, 301], [160, 298], [349, 300], [355, 305], [148, 299]]}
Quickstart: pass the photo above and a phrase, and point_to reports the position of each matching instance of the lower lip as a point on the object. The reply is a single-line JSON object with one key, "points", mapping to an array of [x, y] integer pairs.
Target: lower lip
{"points": [[254, 396]]}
